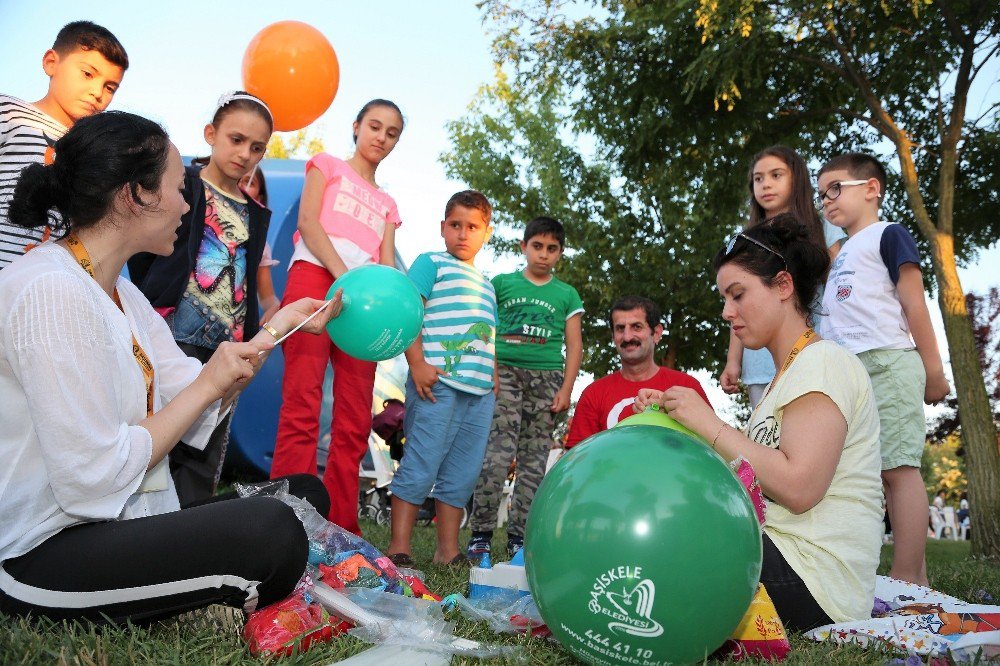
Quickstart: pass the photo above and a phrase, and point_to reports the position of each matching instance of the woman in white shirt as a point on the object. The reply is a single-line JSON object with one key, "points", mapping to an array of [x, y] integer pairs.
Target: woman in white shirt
{"points": [[813, 438], [95, 393]]}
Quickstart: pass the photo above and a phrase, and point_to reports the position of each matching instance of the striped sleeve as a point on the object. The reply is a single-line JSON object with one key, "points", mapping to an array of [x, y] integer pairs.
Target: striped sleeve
{"points": [[27, 136]]}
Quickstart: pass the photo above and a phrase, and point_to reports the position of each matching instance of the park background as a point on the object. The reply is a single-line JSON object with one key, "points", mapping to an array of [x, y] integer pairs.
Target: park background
{"points": [[431, 58]]}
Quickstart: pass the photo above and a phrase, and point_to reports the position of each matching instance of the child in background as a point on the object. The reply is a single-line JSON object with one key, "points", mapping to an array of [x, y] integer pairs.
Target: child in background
{"points": [[450, 392], [779, 183], [85, 66], [537, 311], [345, 221], [254, 185], [874, 302], [206, 289]]}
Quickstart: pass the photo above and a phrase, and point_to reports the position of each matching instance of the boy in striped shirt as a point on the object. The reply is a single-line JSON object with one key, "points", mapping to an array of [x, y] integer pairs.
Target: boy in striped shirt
{"points": [[450, 392], [85, 66]]}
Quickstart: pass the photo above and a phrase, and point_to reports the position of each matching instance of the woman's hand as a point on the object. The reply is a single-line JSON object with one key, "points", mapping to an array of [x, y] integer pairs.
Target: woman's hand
{"points": [[685, 406], [646, 398], [293, 314], [230, 368]]}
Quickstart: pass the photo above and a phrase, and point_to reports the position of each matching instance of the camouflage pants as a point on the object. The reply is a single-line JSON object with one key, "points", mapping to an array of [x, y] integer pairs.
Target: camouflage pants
{"points": [[522, 429]]}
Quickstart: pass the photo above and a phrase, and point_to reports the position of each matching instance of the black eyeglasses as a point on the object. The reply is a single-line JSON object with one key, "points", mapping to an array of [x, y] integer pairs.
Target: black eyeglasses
{"points": [[732, 243], [834, 190]]}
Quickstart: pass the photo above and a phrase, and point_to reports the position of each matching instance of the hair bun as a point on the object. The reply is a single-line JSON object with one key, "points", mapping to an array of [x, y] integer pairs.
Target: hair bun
{"points": [[36, 193]]}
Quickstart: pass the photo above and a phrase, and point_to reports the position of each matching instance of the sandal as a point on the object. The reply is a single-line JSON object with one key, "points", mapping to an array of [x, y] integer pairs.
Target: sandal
{"points": [[401, 559], [459, 560]]}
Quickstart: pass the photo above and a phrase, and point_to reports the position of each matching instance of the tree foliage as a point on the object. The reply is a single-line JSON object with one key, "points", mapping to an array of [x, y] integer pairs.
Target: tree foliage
{"points": [[671, 98], [298, 144]]}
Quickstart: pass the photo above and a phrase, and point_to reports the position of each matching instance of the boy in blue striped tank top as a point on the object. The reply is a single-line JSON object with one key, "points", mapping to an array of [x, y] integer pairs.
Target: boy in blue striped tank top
{"points": [[450, 392]]}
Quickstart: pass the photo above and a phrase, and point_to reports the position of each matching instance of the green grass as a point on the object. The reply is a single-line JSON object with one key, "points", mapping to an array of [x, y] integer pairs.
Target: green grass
{"points": [[202, 641]]}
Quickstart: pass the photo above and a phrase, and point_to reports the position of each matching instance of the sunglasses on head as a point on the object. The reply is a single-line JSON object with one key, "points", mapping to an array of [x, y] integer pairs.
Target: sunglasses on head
{"points": [[732, 244]]}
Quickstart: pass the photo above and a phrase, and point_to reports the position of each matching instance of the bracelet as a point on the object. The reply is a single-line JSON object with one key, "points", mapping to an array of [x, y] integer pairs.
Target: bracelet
{"points": [[270, 329], [716, 440]]}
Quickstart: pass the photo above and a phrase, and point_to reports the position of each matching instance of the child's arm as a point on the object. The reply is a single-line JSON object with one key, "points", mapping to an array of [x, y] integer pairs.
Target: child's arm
{"points": [[423, 373], [730, 377], [910, 288], [313, 234], [574, 356], [269, 303], [387, 249]]}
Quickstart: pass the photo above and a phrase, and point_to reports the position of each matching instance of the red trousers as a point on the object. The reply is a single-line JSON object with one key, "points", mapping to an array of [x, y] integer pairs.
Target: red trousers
{"points": [[306, 357]]}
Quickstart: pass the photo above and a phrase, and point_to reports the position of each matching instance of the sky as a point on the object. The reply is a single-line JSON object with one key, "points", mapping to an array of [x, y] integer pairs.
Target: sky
{"points": [[429, 57]]}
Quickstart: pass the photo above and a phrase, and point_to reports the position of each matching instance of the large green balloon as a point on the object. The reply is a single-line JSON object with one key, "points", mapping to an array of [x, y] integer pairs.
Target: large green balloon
{"points": [[642, 547], [656, 417], [382, 313]]}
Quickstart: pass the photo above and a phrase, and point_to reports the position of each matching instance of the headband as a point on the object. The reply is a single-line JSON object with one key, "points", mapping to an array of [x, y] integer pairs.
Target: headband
{"points": [[232, 97]]}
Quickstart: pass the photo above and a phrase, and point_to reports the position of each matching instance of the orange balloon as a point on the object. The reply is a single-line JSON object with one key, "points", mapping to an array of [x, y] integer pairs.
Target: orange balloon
{"points": [[293, 67]]}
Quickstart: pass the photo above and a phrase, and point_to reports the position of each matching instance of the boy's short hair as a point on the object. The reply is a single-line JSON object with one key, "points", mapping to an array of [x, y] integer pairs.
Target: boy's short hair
{"points": [[545, 226], [859, 165], [470, 199], [89, 36], [654, 317]]}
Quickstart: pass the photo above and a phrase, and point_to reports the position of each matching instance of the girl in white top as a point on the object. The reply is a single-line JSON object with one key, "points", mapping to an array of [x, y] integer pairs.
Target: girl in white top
{"points": [[96, 393], [812, 440]]}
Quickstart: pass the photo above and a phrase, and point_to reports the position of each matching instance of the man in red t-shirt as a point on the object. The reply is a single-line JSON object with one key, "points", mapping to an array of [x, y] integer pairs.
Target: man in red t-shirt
{"points": [[636, 327]]}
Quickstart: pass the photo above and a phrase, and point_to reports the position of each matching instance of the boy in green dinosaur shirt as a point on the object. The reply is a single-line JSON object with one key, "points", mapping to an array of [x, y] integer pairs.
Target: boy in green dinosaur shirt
{"points": [[450, 390]]}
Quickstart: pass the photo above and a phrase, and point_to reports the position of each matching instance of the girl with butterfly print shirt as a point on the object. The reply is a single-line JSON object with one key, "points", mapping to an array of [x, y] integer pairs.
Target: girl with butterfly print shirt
{"points": [[206, 289]]}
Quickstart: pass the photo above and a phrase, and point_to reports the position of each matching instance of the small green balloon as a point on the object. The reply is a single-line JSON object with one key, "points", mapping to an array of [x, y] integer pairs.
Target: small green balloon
{"points": [[642, 547], [381, 316], [656, 417]]}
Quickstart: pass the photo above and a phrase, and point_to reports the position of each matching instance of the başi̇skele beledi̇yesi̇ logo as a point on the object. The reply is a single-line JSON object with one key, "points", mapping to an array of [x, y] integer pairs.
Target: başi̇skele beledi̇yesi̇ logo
{"points": [[626, 599]]}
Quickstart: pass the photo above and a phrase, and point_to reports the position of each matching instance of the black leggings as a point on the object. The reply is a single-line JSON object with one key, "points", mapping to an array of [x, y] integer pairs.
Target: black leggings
{"points": [[242, 552], [796, 607]]}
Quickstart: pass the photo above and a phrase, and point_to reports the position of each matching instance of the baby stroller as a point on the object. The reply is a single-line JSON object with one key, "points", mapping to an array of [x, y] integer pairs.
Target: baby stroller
{"points": [[385, 448]]}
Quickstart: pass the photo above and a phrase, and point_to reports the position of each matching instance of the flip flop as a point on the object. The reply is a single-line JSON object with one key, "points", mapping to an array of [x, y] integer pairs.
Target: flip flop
{"points": [[401, 559]]}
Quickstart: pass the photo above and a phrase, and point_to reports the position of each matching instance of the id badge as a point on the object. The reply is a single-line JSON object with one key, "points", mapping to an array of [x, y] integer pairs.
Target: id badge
{"points": [[157, 478]]}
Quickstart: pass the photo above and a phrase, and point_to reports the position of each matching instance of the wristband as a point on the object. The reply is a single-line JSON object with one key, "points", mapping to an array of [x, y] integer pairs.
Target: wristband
{"points": [[270, 329]]}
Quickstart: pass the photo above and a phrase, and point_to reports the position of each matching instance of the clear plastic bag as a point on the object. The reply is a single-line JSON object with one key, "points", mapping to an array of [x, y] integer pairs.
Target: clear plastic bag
{"points": [[387, 619], [341, 558], [507, 615]]}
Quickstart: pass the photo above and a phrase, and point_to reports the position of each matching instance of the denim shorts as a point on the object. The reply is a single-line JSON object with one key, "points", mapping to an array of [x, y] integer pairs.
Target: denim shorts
{"points": [[445, 445]]}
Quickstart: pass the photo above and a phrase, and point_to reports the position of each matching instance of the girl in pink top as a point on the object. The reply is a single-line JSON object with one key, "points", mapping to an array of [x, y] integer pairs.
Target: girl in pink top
{"points": [[345, 221]]}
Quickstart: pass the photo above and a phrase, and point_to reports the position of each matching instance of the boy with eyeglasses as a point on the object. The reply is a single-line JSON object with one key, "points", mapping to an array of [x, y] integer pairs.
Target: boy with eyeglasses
{"points": [[874, 306]]}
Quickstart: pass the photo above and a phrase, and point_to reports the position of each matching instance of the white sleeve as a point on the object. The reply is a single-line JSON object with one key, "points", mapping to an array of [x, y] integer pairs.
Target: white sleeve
{"points": [[68, 368], [175, 371]]}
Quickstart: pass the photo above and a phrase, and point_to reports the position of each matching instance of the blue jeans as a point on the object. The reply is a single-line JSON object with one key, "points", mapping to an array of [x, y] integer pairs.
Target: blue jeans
{"points": [[445, 445]]}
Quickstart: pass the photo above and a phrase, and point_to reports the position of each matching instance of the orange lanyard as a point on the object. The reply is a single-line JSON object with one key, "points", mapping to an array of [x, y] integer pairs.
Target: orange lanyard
{"points": [[83, 258], [799, 345]]}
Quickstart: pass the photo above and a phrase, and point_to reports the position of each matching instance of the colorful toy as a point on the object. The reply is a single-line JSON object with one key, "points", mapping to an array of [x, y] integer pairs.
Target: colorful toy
{"points": [[642, 546], [381, 316]]}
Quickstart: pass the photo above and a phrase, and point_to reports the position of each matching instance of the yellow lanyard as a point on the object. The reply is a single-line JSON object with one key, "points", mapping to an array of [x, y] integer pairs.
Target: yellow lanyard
{"points": [[799, 345], [83, 258]]}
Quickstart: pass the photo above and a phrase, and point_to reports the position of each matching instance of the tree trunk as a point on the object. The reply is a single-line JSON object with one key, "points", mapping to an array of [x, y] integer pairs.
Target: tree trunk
{"points": [[979, 435]]}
